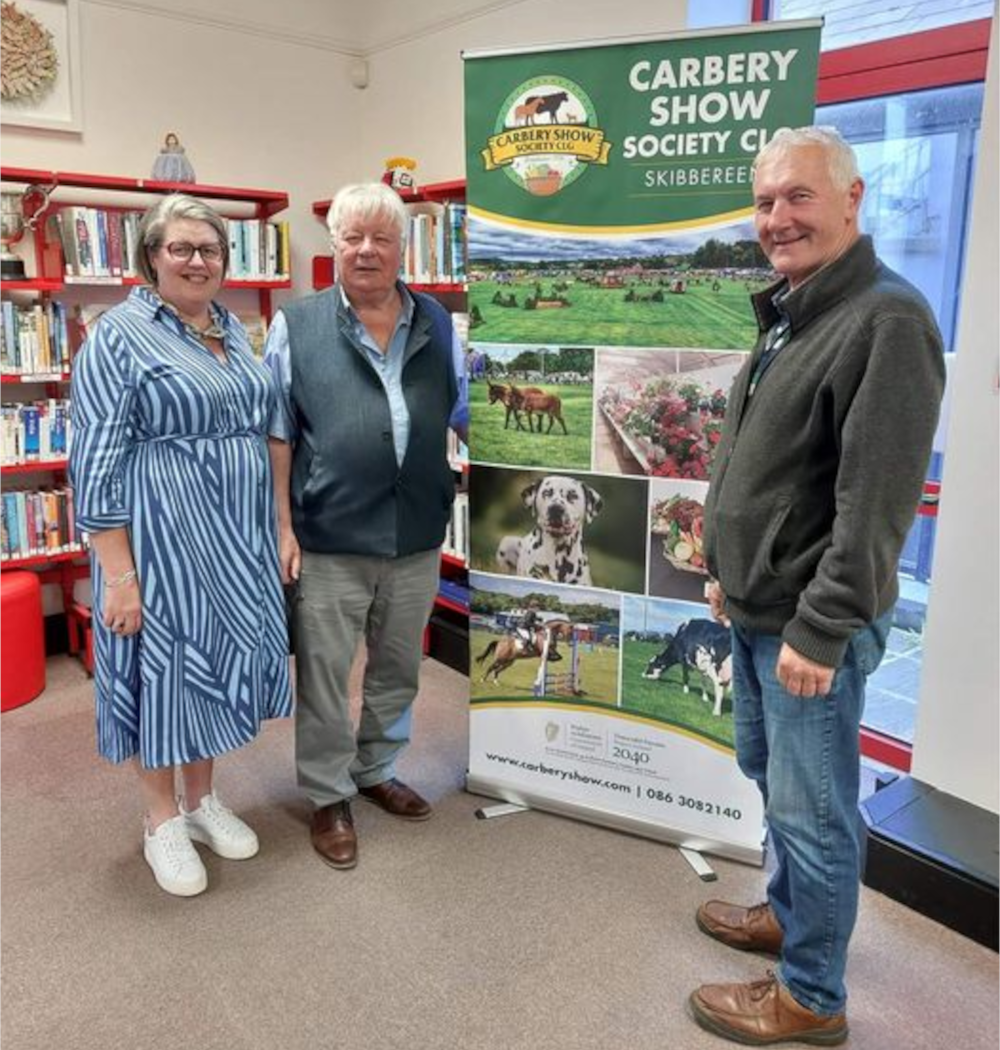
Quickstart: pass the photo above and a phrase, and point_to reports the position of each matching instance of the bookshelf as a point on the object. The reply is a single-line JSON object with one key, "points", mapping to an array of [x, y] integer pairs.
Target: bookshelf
{"points": [[61, 288], [447, 634]]}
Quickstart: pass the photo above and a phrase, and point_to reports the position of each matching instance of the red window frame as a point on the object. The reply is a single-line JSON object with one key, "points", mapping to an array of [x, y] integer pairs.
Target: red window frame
{"points": [[935, 58]]}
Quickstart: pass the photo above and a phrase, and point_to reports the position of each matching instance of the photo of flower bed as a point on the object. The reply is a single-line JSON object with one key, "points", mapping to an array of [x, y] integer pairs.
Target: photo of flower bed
{"points": [[670, 425]]}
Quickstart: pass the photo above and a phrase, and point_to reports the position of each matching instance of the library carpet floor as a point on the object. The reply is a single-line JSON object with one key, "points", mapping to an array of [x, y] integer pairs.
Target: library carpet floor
{"points": [[517, 933]]}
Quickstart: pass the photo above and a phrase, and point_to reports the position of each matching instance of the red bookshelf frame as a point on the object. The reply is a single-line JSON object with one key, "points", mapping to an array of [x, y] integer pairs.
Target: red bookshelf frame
{"points": [[35, 466], [268, 202], [38, 560], [41, 377]]}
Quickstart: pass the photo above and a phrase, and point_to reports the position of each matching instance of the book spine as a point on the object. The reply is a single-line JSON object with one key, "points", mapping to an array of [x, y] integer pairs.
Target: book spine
{"points": [[98, 242], [4, 532], [74, 539], [84, 242], [27, 539], [114, 228], [50, 504], [30, 420]]}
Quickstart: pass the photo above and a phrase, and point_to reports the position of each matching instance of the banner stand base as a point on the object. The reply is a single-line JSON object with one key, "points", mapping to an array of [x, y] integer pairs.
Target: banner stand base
{"points": [[502, 809], [702, 868], [522, 798]]}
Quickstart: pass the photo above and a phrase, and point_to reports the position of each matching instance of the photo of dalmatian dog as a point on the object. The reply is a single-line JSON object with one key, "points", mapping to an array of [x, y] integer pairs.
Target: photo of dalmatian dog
{"points": [[555, 549], [576, 529]]}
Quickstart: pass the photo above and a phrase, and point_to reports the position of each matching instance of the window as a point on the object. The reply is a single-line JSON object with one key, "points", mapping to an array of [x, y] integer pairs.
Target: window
{"points": [[917, 151], [851, 22]]}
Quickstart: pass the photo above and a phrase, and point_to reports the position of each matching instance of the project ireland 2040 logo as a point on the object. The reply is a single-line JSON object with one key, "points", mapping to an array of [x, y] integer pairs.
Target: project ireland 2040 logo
{"points": [[545, 136]]}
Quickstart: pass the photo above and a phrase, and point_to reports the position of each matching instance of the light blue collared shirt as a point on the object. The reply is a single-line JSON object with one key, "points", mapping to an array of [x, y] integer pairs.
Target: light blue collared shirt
{"points": [[388, 367]]}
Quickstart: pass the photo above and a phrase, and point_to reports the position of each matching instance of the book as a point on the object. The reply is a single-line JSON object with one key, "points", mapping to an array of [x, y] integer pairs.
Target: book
{"points": [[12, 520], [32, 437], [78, 228]]}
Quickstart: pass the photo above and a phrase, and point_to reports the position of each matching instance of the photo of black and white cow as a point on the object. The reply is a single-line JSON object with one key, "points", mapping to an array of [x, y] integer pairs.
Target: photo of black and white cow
{"points": [[677, 667], [700, 648]]}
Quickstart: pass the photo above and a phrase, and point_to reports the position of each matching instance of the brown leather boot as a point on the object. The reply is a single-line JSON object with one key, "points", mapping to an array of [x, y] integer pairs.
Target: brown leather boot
{"points": [[763, 1013], [333, 835], [753, 929]]}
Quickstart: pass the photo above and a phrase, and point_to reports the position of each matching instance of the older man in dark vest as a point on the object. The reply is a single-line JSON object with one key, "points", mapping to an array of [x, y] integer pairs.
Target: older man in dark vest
{"points": [[371, 376]]}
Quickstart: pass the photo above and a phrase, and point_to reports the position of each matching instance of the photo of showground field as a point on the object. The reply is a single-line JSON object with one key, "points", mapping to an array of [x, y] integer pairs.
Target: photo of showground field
{"points": [[691, 289]]}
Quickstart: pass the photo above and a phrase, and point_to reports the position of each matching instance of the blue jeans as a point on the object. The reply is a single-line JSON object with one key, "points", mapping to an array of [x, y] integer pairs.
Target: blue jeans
{"points": [[804, 755]]}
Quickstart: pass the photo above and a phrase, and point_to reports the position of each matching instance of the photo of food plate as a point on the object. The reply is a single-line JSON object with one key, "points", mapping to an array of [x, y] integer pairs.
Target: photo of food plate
{"points": [[676, 558]]}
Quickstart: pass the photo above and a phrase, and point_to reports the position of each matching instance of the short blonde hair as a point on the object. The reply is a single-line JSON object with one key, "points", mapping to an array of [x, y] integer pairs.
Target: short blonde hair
{"points": [[153, 225], [366, 200], [842, 163]]}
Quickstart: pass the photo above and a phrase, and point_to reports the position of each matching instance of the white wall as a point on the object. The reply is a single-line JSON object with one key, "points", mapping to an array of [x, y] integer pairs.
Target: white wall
{"points": [[250, 111], [414, 103], [958, 720]]}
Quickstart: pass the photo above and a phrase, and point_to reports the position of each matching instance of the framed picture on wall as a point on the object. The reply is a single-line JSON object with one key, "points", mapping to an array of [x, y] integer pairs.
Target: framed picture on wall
{"points": [[41, 65]]}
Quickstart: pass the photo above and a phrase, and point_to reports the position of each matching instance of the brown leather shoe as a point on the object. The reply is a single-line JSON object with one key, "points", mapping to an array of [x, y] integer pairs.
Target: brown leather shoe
{"points": [[396, 798], [333, 835], [753, 929], [763, 1013]]}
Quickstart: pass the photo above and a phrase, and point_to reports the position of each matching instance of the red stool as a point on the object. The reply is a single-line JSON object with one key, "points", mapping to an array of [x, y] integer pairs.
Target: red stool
{"points": [[22, 637]]}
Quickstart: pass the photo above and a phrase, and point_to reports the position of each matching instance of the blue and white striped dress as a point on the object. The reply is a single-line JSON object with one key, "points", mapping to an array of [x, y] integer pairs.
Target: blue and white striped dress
{"points": [[171, 442]]}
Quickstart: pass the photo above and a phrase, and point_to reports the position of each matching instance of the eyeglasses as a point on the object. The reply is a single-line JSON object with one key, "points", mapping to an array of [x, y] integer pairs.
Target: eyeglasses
{"points": [[184, 252]]}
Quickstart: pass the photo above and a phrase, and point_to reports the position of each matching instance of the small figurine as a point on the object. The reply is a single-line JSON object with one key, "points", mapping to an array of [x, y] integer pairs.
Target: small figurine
{"points": [[399, 174], [172, 165]]}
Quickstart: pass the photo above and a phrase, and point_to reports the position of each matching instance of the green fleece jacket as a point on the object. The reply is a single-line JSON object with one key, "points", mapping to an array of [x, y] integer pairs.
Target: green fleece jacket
{"points": [[818, 474]]}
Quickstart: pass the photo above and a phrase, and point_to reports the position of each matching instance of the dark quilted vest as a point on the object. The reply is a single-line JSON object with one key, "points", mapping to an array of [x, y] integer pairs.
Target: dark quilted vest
{"points": [[348, 494]]}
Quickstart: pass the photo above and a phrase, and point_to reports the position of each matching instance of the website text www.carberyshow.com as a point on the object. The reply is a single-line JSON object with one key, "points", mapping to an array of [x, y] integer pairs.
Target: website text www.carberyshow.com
{"points": [[669, 798]]}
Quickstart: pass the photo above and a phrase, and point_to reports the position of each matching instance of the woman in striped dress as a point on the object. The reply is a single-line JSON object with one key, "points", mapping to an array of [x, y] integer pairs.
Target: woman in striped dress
{"points": [[172, 482]]}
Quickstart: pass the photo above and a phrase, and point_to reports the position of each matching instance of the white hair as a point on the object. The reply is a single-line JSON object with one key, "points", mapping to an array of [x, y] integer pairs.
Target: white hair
{"points": [[842, 163], [366, 200]]}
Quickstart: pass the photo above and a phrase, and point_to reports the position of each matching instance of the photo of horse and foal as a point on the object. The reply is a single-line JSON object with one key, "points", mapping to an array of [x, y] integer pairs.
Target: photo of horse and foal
{"points": [[533, 407]]}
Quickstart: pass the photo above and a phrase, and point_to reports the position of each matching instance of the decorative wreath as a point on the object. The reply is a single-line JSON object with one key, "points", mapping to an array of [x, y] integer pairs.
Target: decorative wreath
{"points": [[30, 61]]}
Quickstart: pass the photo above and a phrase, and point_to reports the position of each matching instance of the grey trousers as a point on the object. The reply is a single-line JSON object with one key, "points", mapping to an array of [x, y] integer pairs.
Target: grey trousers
{"points": [[340, 598]]}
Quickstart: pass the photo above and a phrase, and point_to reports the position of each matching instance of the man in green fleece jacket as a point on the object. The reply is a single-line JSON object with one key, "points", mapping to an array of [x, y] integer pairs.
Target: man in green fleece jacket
{"points": [[816, 481]]}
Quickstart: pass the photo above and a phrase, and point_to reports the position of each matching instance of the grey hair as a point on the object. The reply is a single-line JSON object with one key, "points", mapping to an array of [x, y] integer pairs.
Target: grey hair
{"points": [[153, 225], [366, 200], [842, 163]]}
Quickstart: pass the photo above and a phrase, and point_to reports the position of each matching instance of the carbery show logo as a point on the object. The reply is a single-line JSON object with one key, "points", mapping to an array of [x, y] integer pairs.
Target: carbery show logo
{"points": [[545, 136]]}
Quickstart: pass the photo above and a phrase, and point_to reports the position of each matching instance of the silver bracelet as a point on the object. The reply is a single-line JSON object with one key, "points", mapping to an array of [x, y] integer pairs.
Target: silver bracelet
{"points": [[120, 581]]}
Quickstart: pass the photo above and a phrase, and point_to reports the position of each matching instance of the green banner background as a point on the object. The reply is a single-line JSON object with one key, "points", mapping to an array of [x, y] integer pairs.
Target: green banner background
{"points": [[723, 94]]}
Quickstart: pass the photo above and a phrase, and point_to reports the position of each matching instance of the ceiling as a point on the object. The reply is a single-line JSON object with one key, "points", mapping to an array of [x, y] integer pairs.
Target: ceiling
{"points": [[350, 27]]}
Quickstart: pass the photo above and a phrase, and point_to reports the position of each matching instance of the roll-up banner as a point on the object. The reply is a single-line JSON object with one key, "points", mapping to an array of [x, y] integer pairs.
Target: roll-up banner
{"points": [[611, 259]]}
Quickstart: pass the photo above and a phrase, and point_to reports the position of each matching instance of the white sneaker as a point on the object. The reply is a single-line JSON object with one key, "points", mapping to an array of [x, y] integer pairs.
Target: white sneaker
{"points": [[220, 829], [176, 865]]}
